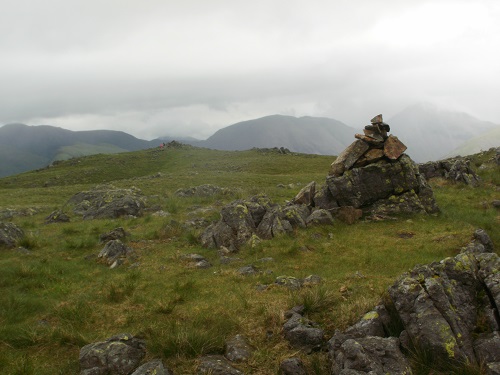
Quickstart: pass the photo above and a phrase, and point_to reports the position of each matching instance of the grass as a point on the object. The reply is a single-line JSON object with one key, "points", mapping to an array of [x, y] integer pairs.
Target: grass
{"points": [[57, 298]]}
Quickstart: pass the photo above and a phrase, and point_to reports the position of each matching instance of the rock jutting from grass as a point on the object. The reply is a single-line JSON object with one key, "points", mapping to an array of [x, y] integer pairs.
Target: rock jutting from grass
{"points": [[108, 202], [455, 169], [448, 310], [10, 233]]}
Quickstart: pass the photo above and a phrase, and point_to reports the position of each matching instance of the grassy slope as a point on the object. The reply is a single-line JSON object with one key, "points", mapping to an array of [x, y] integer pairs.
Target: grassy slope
{"points": [[54, 301]]}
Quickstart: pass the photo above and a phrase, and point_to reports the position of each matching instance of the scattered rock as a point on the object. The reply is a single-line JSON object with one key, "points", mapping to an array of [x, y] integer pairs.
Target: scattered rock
{"points": [[57, 216], [154, 367], [289, 281], [248, 270], [116, 234], [216, 365], [114, 253], [10, 233], [196, 261], [238, 349], [303, 334], [292, 366], [119, 354], [306, 195]]}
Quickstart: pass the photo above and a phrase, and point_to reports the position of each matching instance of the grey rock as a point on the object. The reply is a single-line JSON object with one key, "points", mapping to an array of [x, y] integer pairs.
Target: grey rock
{"points": [[320, 216], [454, 169], [154, 367], [306, 195], [248, 270], [10, 234], [115, 234], [206, 190], [303, 334], [238, 349], [108, 202], [487, 347], [216, 365], [348, 157], [119, 355], [113, 251], [292, 366], [288, 281], [368, 355], [363, 187], [57, 216]]}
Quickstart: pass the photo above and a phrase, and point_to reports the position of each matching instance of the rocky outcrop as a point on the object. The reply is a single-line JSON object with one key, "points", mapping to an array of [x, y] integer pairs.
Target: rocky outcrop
{"points": [[119, 355], [246, 221], [457, 170], [441, 308], [206, 190], [108, 202], [10, 233]]}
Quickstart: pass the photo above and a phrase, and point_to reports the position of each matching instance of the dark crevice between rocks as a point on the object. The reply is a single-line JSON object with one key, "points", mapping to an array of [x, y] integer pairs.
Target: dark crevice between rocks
{"points": [[494, 306]]}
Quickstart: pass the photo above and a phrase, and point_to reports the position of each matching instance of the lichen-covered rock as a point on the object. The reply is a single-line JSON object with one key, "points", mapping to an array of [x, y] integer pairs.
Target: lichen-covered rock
{"points": [[320, 216], [154, 367], [206, 190], [368, 355], [114, 251], [303, 334], [455, 169], [216, 365], [364, 187], [119, 355], [10, 233], [108, 202], [348, 157], [238, 349], [57, 216]]}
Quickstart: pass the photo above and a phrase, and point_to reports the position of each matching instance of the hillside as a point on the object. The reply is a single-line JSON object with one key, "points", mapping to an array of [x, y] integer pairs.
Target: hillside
{"points": [[58, 296], [24, 147], [311, 135], [482, 142], [431, 132]]}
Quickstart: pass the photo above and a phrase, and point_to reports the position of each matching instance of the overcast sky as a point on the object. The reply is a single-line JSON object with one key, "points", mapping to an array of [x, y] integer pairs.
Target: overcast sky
{"points": [[189, 67]]}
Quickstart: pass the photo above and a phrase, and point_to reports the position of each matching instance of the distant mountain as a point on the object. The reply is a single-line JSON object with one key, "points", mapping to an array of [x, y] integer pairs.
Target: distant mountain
{"points": [[312, 135], [431, 133], [482, 142], [24, 147]]}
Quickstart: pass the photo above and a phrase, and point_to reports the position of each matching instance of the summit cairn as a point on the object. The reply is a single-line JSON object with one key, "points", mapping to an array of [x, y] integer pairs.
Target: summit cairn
{"points": [[368, 148], [374, 175]]}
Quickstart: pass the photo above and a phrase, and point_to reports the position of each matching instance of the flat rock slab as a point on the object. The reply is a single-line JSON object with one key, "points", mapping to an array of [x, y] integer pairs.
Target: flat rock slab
{"points": [[393, 147], [348, 157]]}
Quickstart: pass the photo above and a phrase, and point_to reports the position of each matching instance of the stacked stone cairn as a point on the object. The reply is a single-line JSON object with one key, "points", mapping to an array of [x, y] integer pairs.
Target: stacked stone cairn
{"points": [[375, 176], [369, 148]]}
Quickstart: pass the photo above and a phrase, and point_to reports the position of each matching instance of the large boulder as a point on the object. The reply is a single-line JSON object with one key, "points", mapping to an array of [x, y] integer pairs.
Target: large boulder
{"points": [[108, 202], [397, 185], [10, 233], [441, 307], [120, 355]]}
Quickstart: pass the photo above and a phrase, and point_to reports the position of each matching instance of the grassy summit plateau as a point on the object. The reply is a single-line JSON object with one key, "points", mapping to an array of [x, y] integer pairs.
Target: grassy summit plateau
{"points": [[57, 298]]}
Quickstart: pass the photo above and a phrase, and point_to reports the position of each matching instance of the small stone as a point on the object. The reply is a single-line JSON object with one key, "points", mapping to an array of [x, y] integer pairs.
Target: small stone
{"points": [[377, 119], [292, 366]]}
